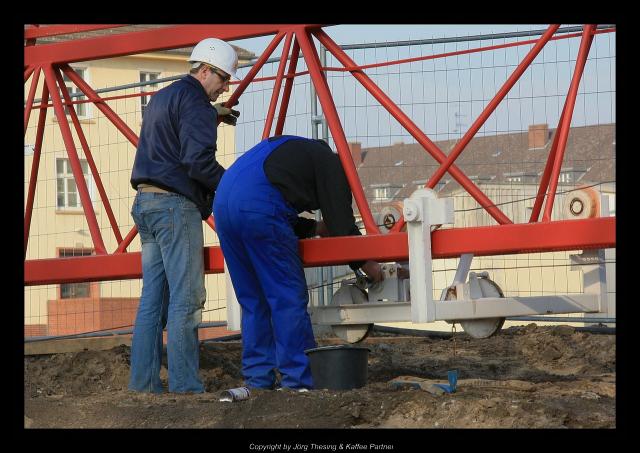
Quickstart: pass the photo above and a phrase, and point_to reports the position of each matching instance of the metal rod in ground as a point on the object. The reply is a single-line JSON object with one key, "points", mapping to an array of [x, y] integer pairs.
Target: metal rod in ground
{"points": [[561, 319], [412, 332], [444, 334]]}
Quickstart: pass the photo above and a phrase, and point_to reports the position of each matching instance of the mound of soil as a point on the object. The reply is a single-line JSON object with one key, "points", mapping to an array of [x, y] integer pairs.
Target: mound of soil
{"points": [[525, 377]]}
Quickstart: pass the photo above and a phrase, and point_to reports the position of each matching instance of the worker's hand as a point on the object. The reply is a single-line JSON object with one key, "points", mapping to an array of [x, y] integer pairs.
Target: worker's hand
{"points": [[226, 114], [321, 229], [373, 271]]}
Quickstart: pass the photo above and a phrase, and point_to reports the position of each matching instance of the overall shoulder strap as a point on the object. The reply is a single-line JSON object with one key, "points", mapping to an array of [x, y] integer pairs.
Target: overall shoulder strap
{"points": [[274, 142]]}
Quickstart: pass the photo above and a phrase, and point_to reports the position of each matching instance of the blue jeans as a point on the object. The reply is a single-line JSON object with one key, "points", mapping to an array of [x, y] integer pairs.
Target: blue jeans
{"points": [[173, 293]]}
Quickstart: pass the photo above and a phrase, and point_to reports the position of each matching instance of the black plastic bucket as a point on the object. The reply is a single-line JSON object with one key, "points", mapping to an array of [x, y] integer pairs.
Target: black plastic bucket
{"points": [[340, 367]]}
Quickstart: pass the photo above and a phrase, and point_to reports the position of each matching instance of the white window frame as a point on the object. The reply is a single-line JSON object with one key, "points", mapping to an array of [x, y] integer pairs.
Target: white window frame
{"points": [[73, 89], [566, 177], [389, 190], [382, 193], [74, 287], [67, 175], [144, 77], [519, 177], [420, 184], [571, 175]]}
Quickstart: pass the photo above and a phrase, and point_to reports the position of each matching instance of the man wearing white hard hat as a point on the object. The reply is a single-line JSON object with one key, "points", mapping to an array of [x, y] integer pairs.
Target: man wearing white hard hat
{"points": [[175, 174]]}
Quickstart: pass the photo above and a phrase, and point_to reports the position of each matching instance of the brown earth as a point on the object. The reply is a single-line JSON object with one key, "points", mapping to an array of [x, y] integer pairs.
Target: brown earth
{"points": [[569, 383]]}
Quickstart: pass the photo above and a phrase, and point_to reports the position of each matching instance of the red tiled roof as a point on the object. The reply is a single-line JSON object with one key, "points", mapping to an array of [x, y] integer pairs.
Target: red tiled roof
{"points": [[589, 148]]}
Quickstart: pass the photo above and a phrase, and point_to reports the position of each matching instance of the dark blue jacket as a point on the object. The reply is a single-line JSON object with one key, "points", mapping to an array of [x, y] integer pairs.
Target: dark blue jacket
{"points": [[177, 146]]}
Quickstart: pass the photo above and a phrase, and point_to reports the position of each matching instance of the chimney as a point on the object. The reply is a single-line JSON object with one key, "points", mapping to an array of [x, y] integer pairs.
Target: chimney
{"points": [[356, 153], [538, 135]]}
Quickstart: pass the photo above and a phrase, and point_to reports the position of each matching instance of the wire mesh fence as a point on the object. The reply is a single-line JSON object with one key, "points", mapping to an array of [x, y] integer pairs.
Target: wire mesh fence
{"points": [[443, 95], [59, 227]]}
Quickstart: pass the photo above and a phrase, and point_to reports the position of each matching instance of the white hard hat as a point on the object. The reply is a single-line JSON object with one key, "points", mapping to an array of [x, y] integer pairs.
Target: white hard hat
{"points": [[218, 53]]}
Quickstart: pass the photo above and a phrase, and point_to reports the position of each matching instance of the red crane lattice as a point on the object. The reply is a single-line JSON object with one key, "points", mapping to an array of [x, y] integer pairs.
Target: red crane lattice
{"points": [[52, 60]]}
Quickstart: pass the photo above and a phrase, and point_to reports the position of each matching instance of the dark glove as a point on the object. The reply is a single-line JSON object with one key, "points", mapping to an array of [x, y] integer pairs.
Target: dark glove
{"points": [[373, 271], [207, 207], [226, 114]]}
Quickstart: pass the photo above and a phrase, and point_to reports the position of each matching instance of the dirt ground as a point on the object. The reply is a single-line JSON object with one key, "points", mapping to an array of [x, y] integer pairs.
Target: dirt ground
{"points": [[535, 377]]}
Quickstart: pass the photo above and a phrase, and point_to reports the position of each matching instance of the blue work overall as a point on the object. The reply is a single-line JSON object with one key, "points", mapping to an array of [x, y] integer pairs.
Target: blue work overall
{"points": [[254, 224]]}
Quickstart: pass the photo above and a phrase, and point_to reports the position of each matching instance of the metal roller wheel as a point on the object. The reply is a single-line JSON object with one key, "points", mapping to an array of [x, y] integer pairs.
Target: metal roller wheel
{"points": [[349, 294], [389, 216], [483, 327]]}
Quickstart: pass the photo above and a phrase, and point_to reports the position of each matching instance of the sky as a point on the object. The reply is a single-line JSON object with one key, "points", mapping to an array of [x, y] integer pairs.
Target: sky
{"points": [[356, 34], [443, 96]]}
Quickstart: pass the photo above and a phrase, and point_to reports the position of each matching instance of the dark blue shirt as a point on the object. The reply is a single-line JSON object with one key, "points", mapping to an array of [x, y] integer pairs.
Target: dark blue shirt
{"points": [[177, 146]]}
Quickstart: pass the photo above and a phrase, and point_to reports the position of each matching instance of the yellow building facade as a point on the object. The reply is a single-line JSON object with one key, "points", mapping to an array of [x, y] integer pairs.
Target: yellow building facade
{"points": [[58, 225]]}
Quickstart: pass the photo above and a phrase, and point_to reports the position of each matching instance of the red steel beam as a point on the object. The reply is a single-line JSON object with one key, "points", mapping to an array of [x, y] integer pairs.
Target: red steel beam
{"points": [[35, 165], [122, 266], [27, 72], [101, 104], [581, 60], [81, 184], [32, 92], [122, 246], [413, 129], [164, 38], [276, 86], [546, 175], [595, 233], [489, 109], [333, 121], [254, 70], [56, 30], [211, 221], [525, 238], [90, 161], [288, 86]]}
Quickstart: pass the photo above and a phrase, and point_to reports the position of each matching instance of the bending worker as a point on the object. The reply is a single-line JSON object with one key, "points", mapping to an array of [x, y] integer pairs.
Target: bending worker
{"points": [[176, 174], [256, 211]]}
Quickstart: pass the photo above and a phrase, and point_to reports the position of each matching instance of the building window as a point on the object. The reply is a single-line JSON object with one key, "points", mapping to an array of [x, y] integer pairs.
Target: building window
{"points": [[420, 184], [385, 192], [519, 177], [440, 185], [81, 109], [147, 77], [74, 290], [67, 191], [566, 177], [571, 175], [382, 193]]}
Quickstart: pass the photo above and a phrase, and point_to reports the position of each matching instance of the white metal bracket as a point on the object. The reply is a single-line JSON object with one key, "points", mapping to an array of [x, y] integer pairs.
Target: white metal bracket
{"points": [[392, 288], [422, 210]]}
